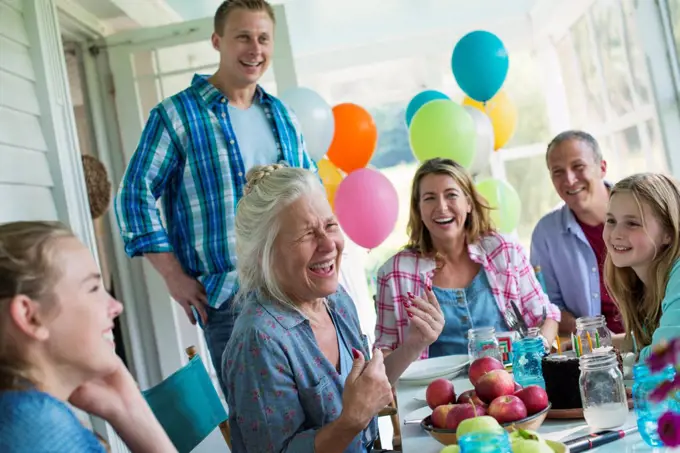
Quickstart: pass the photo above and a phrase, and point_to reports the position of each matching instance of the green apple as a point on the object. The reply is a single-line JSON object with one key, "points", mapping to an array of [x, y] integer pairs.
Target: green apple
{"points": [[530, 446], [451, 449], [481, 424], [527, 434]]}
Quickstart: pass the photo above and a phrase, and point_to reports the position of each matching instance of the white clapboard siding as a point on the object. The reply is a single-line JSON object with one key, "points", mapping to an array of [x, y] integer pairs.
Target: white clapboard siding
{"points": [[25, 179]]}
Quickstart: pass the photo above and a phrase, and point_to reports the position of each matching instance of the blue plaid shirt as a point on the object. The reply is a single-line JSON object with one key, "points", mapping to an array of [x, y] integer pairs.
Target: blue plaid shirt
{"points": [[189, 157]]}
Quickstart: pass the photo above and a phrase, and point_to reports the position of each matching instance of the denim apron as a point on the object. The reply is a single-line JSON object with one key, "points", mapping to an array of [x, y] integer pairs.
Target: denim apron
{"points": [[464, 309]]}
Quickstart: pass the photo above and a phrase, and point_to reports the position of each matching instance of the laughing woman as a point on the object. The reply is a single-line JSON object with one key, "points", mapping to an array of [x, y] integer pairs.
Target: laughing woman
{"points": [[297, 369], [56, 346], [474, 272]]}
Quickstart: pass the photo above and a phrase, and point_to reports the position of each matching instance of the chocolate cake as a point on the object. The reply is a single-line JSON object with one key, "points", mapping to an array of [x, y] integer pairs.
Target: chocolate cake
{"points": [[561, 373]]}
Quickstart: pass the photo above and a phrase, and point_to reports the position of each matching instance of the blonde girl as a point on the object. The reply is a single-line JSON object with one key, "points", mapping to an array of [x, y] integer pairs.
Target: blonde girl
{"points": [[642, 269], [56, 346]]}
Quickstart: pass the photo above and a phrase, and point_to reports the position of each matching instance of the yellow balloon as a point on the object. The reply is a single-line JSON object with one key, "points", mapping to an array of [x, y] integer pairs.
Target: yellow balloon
{"points": [[503, 115], [331, 177]]}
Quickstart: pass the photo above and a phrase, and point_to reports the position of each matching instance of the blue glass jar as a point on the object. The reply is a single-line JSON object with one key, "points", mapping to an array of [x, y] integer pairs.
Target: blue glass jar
{"points": [[485, 443], [527, 356], [648, 413]]}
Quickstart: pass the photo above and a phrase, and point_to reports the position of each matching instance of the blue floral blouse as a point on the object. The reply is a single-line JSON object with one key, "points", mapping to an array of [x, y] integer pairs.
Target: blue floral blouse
{"points": [[281, 388]]}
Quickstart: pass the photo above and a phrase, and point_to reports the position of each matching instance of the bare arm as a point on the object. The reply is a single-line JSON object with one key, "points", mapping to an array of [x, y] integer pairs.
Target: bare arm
{"points": [[568, 323], [549, 330], [622, 343], [184, 289], [141, 432]]}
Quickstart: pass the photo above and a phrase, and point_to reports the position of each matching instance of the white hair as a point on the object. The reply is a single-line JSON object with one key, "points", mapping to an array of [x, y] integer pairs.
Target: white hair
{"points": [[270, 189]]}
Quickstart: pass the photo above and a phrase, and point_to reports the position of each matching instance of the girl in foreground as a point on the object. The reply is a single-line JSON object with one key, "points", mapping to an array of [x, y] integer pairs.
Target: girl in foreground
{"points": [[642, 269], [56, 345]]}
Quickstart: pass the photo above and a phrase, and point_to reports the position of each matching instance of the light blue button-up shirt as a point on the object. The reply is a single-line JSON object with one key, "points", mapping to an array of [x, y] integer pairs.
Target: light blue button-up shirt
{"points": [[568, 263]]}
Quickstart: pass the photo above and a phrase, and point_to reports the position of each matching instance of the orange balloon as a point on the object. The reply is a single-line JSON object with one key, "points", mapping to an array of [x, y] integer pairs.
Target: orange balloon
{"points": [[355, 137]]}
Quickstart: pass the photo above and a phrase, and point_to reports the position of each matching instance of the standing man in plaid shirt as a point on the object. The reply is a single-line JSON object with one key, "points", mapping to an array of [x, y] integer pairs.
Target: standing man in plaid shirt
{"points": [[193, 155]]}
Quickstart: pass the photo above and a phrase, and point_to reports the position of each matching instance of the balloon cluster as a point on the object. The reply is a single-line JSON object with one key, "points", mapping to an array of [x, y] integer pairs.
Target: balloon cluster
{"points": [[342, 141], [470, 132]]}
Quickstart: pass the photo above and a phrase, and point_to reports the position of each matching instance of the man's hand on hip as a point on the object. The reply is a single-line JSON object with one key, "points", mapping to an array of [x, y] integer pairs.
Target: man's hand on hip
{"points": [[186, 290]]}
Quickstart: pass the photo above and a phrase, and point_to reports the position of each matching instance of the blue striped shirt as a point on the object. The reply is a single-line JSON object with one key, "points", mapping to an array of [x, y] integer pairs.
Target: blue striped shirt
{"points": [[189, 157]]}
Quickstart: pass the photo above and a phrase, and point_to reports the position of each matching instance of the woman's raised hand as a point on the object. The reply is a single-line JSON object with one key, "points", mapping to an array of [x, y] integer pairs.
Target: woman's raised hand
{"points": [[426, 319]]}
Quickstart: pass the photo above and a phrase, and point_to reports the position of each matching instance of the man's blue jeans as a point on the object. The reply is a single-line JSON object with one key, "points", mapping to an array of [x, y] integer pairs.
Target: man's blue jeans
{"points": [[217, 333]]}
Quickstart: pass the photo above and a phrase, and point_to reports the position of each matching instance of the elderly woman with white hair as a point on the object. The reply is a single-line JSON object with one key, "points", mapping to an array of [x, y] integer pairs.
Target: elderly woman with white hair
{"points": [[296, 368]]}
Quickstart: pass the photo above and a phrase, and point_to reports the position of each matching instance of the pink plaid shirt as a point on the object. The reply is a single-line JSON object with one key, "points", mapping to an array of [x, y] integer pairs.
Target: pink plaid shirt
{"points": [[507, 268]]}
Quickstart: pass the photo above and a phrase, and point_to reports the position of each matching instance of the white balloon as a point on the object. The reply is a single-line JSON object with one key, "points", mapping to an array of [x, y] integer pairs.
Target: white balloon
{"points": [[485, 140], [315, 117]]}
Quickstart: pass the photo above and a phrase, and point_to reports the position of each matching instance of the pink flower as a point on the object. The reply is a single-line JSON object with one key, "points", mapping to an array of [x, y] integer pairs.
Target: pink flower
{"points": [[664, 389], [669, 429], [664, 354]]}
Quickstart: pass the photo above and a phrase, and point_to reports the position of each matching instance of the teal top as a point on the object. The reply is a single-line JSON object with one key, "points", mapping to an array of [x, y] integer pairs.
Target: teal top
{"points": [[669, 325]]}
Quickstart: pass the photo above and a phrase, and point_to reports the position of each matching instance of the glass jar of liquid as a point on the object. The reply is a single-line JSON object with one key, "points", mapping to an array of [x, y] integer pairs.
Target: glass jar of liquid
{"points": [[485, 443], [647, 412], [527, 357], [592, 330], [482, 342], [603, 395]]}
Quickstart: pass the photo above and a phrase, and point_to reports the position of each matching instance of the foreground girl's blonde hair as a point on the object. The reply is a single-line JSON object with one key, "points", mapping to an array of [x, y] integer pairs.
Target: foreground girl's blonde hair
{"points": [[27, 267], [640, 305]]}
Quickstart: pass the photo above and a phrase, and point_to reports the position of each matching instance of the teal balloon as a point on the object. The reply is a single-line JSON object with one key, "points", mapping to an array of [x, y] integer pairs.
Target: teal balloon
{"points": [[506, 206], [443, 129], [420, 100], [480, 64]]}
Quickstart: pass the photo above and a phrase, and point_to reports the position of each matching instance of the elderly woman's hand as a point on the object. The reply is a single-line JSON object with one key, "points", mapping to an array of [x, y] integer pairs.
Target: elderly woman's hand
{"points": [[426, 320], [367, 391]]}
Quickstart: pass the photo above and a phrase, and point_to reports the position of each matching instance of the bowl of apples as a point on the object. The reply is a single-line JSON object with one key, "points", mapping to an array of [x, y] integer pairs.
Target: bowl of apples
{"points": [[497, 402]]}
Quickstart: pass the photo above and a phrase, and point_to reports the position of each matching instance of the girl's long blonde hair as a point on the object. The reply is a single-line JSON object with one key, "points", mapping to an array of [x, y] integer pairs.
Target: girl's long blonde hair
{"points": [[639, 304], [27, 267]]}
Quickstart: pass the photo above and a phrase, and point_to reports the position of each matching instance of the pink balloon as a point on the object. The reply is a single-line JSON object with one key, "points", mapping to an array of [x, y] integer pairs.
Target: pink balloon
{"points": [[367, 207]]}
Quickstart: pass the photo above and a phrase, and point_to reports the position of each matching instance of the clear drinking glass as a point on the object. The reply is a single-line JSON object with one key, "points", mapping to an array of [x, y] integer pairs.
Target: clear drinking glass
{"points": [[482, 342], [593, 330], [603, 395]]}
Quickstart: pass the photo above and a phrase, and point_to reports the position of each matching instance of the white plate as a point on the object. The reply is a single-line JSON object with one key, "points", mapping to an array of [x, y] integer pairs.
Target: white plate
{"points": [[419, 414], [423, 372]]}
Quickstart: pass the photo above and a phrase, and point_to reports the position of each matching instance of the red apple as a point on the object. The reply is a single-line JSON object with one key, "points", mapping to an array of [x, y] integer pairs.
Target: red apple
{"points": [[534, 398], [460, 412], [439, 415], [508, 408], [469, 396], [481, 366], [440, 392], [493, 384]]}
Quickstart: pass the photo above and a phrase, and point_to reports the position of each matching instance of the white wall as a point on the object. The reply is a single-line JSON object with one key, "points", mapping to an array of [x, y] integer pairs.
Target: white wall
{"points": [[25, 179]]}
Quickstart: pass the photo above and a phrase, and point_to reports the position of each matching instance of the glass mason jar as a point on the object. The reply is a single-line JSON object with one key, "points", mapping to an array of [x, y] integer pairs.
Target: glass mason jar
{"points": [[527, 358], [648, 413], [593, 330], [482, 342], [603, 395], [485, 443]]}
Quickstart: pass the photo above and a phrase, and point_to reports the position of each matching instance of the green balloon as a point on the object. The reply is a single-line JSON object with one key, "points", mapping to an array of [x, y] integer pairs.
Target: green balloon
{"points": [[504, 201], [443, 129]]}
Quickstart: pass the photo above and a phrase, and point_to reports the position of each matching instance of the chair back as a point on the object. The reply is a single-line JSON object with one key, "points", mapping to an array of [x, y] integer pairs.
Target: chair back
{"points": [[187, 405], [540, 278]]}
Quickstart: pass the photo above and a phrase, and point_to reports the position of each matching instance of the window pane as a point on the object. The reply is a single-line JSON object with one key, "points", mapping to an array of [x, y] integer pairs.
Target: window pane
{"points": [[636, 55], [572, 82], [630, 155], [537, 193], [656, 151], [607, 27], [589, 75], [674, 7]]}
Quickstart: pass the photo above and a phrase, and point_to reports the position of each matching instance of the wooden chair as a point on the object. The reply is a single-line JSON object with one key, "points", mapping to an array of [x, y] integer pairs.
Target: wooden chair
{"points": [[224, 426], [188, 406], [392, 411]]}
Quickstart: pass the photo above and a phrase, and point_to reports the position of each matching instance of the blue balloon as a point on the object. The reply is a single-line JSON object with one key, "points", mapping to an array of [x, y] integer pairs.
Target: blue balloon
{"points": [[420, 100], [480, 64]]}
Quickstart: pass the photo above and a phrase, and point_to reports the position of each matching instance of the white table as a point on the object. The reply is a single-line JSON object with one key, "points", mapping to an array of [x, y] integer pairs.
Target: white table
{"points": [[415, 440]]}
